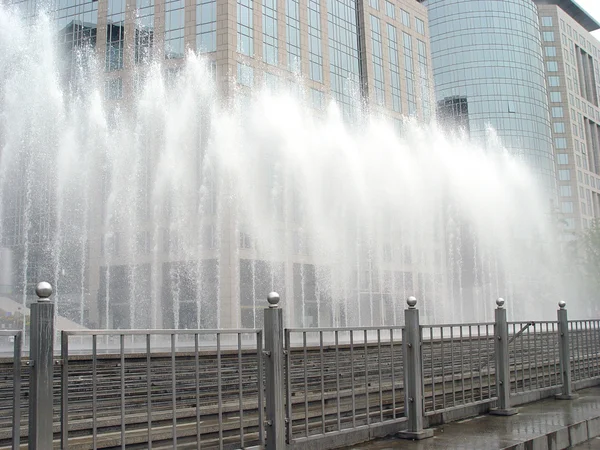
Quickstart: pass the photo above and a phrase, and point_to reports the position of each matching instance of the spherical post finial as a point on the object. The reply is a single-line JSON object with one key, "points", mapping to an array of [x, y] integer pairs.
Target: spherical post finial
{"points": [[273, 299], [412, 302], [562, 304], [500, 302], [43, 291]]}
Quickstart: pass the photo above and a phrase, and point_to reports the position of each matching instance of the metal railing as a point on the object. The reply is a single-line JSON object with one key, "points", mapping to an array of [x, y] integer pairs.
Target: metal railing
{"points": [[280, 387], [177, 386], [8, 370], [458, 365], [534, 358], [584, 336], [342, 378]]}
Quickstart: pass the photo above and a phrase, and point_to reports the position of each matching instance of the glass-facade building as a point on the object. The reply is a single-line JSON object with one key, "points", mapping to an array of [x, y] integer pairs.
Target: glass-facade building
{"points": [[489, 72]]}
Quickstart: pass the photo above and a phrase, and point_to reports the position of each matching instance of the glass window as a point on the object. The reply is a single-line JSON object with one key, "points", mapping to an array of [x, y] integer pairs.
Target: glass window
{"points": [[559, 127], [553, 81], [292, 23], [420, 26], [564, 175], [562, 158], [374, 4], [550, 51], [270, 43], [560, 143], [570, 223], [548, 36], [565, 191], [546, 21], [245, 30], [552, 66], [405, 18], [566, 207], [206, 26], [390, 10], [557, 111], [245, 75], [113, 89]]}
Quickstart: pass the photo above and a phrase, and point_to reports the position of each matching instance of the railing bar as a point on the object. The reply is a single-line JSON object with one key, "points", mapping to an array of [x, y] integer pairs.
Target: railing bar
{"points": [[596, 346], [122, 352], [462, 364], [587, 347], [305, 384], [174, 391], [149, 387], [528, 358], [322, 382], [487, 346], [352, 378], [240, 389], [432, 369], [514, 353], [337, 381], [443, 367], [452, 364], [380, 381], [163, 332], [64, 390], [220, 391], [393, 374], [197, 380], [16, 422], [556, 353], [261, 388], [367, 379], [479, 362], [471, 363], [94, 392], [288, 386]]}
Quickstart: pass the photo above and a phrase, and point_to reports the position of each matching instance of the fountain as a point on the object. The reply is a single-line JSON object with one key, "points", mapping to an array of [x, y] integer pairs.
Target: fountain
{"points": [[173, 210]]}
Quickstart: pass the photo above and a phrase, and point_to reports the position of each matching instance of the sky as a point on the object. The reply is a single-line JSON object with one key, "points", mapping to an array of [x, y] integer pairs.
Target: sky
{"points": [[593, 9]]}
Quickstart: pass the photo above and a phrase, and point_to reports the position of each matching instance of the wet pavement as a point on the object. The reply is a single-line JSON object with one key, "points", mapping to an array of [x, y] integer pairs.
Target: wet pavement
{"points": [[487, 432], [593, 444]]}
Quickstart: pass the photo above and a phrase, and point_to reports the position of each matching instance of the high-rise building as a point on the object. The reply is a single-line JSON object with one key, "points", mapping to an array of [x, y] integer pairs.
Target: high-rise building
{"points": [[489, 72], [571, 60], [372, 53], [351, 51]]}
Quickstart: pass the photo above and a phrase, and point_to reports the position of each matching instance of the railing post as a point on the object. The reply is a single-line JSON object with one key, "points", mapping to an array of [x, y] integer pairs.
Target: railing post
{"points": [[274, 374], [502, 362], [564, 353], [42, 371], [413, 376]]}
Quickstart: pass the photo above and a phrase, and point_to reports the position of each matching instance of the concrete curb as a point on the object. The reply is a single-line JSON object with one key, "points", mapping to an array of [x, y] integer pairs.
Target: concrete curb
{"points": [[565, 437]]}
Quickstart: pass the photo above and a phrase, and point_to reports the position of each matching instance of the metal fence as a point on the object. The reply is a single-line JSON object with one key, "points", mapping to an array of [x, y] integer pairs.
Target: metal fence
{"points": [[534, 356], [343, 378], [10, 387], [584, 336], [278, 387], [202, 387], [458, 365]]}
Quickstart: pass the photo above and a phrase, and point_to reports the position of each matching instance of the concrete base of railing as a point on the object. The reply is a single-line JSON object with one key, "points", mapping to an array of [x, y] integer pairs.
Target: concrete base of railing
{"points": [[415, 435], [566, 396], [504, 412]]}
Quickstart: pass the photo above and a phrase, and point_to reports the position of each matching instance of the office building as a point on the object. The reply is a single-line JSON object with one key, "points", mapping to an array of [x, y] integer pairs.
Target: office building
{"points": [[374, 53], [571, 61]]}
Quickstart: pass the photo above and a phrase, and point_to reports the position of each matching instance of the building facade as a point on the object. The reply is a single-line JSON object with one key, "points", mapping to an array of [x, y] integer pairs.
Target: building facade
{"points": [[571, 60], [489, 72], [371, 55]]}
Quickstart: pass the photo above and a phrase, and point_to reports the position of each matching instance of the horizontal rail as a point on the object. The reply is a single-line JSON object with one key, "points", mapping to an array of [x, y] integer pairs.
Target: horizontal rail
{"points": [[138, 332]]}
